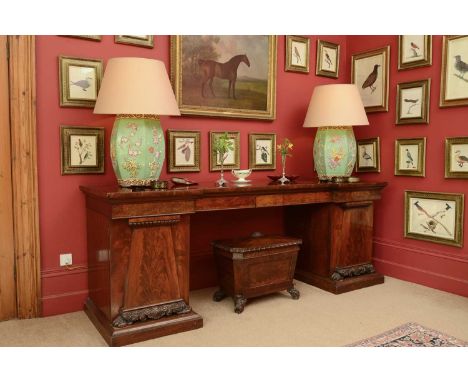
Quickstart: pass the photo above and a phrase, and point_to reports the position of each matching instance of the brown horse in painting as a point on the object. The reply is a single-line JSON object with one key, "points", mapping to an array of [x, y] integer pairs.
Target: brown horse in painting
{"points": [[210, 69]]}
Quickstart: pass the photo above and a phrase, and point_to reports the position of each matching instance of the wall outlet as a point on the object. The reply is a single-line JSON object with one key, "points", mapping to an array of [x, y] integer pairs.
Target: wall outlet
{"points": [[66, 259]]}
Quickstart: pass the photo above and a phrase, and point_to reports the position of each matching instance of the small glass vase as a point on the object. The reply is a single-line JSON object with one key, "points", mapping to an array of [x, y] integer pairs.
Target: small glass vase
{"points": [[283, 179], [221, 182]]}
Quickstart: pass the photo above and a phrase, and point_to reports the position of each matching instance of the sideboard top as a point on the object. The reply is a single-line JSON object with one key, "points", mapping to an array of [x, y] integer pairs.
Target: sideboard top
{"points": [[114, 192]]}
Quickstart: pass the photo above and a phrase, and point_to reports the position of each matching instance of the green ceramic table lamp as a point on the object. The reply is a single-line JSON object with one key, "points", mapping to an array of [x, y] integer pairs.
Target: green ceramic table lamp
{"points": [[334, 109], [138, 91]]}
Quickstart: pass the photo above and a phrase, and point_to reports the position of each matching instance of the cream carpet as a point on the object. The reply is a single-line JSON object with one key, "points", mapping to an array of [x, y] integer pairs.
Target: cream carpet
{"points": [[318, 318]]}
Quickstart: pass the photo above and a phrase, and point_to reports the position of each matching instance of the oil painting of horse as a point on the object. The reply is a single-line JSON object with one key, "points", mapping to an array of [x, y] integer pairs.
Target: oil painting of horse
{"points": [[229, 76]]}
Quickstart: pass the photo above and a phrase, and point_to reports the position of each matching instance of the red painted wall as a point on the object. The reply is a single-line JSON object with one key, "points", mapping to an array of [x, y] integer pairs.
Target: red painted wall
{"points": [[435, 265], [62, 209]]}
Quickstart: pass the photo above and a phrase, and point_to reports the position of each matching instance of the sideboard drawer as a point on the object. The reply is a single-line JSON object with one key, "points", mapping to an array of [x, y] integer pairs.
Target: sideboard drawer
{"points": [[225, 203]]}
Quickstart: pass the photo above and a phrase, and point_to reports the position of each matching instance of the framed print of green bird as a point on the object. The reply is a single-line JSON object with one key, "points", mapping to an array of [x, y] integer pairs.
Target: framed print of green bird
{"points": [[262, 152], [454, 79], [435, 217], [369, 71]]}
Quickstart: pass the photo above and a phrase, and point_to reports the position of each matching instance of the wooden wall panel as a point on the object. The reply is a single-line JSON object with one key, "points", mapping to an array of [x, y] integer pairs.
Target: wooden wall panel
{"points": [[24, 170], [7, 253]]}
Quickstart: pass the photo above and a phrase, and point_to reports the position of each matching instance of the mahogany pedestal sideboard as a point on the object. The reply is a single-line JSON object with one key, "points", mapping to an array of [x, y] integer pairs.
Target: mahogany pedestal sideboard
{"points": [[139, 247]]}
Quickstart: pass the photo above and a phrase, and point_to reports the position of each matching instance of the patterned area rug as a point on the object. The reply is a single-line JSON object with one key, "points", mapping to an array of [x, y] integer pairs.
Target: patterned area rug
{"points": [[411, 335]]}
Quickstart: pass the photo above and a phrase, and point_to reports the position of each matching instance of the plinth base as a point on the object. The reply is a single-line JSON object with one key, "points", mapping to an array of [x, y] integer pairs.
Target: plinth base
{"points": [[141, 331], [340, 286]]}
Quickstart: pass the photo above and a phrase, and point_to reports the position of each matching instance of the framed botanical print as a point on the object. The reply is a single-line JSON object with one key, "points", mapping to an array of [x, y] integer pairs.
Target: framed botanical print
{"points": [[368, 155], [410, 157], [412, 105], [454, 81], [184, 151], [297, 54], [262, 152], [232, 160], [328, 59], [146, 41], [414, 51], [80, 79], [434, 216], [225, 76], [82, 150], [456, 157], [369, 71]]}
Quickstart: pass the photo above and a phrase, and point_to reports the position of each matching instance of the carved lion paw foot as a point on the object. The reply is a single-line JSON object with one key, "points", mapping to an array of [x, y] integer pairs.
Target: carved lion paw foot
{"points": [[218, 295], [294, 293], [239, 304]]}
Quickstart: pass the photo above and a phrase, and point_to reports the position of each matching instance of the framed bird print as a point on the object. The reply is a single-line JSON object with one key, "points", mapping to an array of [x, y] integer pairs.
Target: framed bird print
{"points": [[368, 155], [232, 159], [410, 157], [328, 59], [82, 150], [434, 216], [184, 151], [80, 79], [414, 51], [456, 157], [297, 54], [145, 41], [412, 104], [225, 76], [369, 71], [454, 81], [262, 153]]}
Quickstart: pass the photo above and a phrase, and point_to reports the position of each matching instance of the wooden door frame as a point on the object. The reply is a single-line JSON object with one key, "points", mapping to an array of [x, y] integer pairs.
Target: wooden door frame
{"points": [[22, 78], [7, 247]]}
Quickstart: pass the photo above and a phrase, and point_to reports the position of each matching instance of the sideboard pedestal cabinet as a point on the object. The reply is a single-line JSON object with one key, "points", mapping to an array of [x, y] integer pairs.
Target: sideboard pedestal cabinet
{"points": [[139, 247]]}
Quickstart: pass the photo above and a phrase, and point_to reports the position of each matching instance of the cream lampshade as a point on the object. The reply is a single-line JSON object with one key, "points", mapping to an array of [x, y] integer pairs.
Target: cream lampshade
{"points": [[138, 91], [334, 109]]}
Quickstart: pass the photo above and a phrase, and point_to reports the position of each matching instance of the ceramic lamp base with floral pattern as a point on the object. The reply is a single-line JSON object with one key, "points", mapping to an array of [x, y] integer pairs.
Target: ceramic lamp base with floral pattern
{"points": [[137, 150], [334, 153]]}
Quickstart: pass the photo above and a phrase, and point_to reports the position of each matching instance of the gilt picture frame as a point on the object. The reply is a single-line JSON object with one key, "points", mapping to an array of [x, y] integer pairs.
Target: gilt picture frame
{"points": [[232, 162], [262, 151], [410, 157], [435, 217], [370, 72], [297, 54], [82, 150], [201, 89], [184, 151], [456, 157], [412, 103], [414, 51], [85, 37], [368, 155], [145, 41], [328, 59], [454, 80], [80, 80]]}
